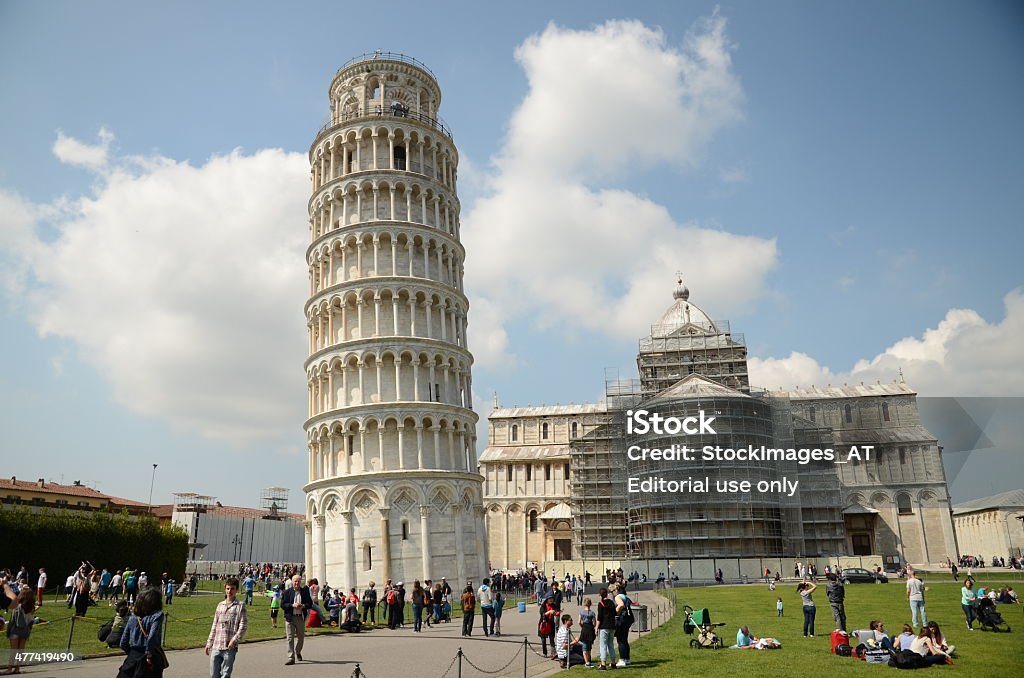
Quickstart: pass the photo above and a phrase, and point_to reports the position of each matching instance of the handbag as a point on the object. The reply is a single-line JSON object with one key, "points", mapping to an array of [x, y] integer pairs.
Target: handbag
{"points": [[159, 656]]}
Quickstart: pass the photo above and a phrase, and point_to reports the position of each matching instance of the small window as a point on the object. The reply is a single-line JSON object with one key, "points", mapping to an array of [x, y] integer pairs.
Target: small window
{"points": [[812, 414], [533, 521], [885, 411], [574, 429], [400, 157], [367, 557], [350, 443], [529, 472], [38, 501], [565, 471], [903, 455], [547, 471], [405, 530], [903, 504], [544, 431], [62, 502], [508, 473], [848, 412], [83, 503], [515, 432], [437, 393]]}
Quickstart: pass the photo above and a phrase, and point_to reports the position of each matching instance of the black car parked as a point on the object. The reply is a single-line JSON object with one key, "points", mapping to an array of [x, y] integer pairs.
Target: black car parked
{"points": [[858, 575]]}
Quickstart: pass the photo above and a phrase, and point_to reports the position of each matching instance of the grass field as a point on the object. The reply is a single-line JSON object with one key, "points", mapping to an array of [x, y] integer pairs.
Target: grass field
{"points": [[187, 623], [666, 652]]}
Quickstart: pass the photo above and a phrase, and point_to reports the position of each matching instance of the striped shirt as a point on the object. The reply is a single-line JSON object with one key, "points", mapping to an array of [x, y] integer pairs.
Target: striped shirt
{"points": [[562, 641], [229, 624]]}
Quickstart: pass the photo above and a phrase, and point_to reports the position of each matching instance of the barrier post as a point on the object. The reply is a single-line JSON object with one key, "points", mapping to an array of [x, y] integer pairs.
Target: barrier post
{"points": [[357, 673], [71, 632], [526, 647], [459, 657]]}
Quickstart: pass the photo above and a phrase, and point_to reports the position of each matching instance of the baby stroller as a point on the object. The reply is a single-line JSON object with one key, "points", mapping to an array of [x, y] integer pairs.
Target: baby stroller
{"points": [[989, 616], [700, 620]]}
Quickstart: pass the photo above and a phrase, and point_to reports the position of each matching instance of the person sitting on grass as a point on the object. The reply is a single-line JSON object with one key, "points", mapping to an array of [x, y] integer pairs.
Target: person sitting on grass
{"points": [[333, 605], [924, 646], [906, 638], [747, 641], [564, 641], [120, 619], [939, 639]]}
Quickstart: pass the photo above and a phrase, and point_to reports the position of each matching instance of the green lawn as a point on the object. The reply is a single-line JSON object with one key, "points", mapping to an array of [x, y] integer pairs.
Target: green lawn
{"points": [[666, 652], [188, 624]]}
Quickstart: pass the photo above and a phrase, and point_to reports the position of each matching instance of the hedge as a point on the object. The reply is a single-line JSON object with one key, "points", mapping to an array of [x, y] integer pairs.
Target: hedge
{"points": [[61, 540]]}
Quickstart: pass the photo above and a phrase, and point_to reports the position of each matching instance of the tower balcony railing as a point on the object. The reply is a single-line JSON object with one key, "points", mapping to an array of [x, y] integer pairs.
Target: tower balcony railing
{"points": [[387, 56], [394, 111]]}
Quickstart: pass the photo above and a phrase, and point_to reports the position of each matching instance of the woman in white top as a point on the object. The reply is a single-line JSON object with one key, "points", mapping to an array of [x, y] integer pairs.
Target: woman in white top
{"points": [[923, 646], [939, 639], [907, 637]]}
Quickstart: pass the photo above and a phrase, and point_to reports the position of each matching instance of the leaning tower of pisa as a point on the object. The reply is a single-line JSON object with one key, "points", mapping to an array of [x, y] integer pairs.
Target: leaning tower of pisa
{"points": [[393, 491]]}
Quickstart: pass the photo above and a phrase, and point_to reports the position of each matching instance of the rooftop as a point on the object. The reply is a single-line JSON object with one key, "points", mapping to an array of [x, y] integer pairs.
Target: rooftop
{"points": [[1014, 499], [547, 410], [524, 452], [847, 391]]}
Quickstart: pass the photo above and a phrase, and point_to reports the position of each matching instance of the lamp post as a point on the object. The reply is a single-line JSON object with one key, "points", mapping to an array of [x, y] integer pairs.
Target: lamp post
{"points": [[152, 479]]}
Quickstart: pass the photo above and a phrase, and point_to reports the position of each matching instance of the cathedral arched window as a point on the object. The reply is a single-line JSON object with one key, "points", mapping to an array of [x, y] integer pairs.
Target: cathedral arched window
{"points": [[405, 530], [848, 413], [903, 505], [367, 557], [515, 432], [574, 429], [544, 431], [812, 414], [533, 521], [885, 411]]}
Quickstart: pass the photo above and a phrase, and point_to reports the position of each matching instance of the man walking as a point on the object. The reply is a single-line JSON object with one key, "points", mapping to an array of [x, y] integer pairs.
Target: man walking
{"points": [[41, 585], [468, 610], [915, 596], [249, 585], [836, 593], [230, 622], [486, 598], [296, 603]]}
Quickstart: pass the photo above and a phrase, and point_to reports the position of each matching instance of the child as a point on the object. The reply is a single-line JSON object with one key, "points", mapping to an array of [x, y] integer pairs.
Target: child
{"points": [[588, 632], [275, 605], [169, 591], [499, 605], [563, 641], [778, 608]]}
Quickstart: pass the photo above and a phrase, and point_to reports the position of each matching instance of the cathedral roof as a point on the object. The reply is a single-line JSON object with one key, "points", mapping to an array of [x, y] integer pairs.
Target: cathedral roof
{"points": [[547, 410], [524, 452], [697, 386], [846, 391], [1011, 499], [559, 511]]}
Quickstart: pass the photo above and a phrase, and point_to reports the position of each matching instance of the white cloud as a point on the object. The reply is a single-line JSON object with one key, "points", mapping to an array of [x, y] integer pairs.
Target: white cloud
{"points": [[733, 175], [71, 151], [177, 282], [964, 355], [554, 240]]}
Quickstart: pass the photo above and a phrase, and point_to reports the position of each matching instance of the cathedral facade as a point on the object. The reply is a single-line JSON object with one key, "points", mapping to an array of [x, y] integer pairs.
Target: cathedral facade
{"points": [[894, 504]]}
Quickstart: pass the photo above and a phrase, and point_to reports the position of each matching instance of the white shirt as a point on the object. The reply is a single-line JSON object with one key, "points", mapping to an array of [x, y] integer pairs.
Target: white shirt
{"points": [[41, 583]]}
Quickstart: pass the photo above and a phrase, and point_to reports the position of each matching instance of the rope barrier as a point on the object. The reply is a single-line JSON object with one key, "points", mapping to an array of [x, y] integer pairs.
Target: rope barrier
{"points": [[496, 672], [455, 659]]}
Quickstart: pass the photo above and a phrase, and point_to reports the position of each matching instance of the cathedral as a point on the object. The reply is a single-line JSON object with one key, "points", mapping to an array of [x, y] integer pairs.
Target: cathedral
{"points": [[555, 485]]}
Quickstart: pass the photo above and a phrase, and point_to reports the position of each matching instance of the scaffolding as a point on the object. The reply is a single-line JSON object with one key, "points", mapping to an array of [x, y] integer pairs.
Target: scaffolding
{"points": [[710, 349], [274, 501]]}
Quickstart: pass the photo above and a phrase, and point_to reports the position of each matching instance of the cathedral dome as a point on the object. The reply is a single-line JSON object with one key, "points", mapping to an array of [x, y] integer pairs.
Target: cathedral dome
{"points": [[682, 312]]}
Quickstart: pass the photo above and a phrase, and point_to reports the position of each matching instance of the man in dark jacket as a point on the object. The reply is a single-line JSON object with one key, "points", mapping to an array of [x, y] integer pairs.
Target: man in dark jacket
{"points": [[296, 603], [836, 593]]}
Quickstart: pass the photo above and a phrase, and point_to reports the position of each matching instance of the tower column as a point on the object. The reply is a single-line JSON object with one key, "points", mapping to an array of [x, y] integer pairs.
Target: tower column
{"points": [[385, 539], [425, 540]]}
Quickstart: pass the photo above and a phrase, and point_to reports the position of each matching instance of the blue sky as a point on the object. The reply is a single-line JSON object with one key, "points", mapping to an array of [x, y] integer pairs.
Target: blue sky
{"points": [[871, 156]]}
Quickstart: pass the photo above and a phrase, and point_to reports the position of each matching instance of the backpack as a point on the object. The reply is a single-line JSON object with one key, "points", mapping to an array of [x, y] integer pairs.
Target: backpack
{"points": [[839, 638], [544, 628], [907, 659], [392, 597]]}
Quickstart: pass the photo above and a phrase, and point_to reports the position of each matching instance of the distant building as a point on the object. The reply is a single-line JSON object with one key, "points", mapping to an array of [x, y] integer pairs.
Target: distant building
{"points": [[991, 526], [43, 494], [234, 533]]}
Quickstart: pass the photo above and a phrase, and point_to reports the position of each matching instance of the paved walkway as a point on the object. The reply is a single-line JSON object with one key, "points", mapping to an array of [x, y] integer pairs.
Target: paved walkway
{"points": [[379, 654]]}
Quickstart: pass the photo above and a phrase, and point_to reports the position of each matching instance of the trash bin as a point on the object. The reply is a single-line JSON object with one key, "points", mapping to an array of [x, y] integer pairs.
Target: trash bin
{"points": [[521, 606], [640, 612]]}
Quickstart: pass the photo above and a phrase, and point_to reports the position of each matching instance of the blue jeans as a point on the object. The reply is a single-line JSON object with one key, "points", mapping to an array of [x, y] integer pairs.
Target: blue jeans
{"points": [[437, 613], [417, 617], [809, 619], [607, 650], [248, 597], [488, 613], [915, 607], [221, 663]]}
